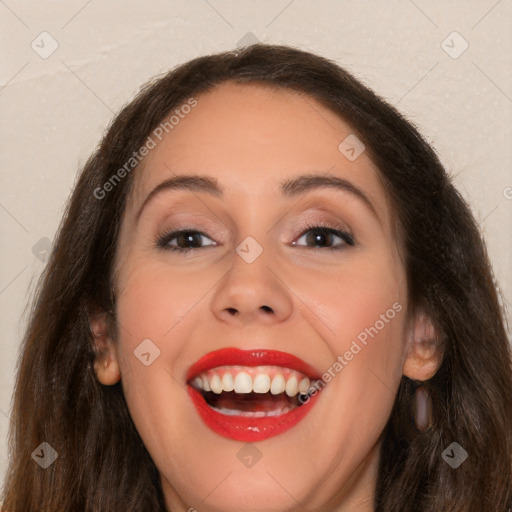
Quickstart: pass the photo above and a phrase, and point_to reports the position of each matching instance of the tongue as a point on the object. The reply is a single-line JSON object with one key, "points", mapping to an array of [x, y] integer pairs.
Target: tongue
{"points": [[248, 402]]}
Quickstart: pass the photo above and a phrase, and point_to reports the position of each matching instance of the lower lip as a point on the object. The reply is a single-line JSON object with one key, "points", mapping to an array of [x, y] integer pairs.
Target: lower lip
{"points": [[243, 428]]}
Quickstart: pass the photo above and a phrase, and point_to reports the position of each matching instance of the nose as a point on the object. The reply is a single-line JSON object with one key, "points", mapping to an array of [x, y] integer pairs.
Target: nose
{"points": [[251, 293]]}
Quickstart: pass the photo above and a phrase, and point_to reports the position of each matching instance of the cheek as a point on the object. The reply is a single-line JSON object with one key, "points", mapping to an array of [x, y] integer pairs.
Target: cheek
{"points": [[362, 314], [361, 300], [155, 315], [158, 310], [155, 305], [158, 303]]}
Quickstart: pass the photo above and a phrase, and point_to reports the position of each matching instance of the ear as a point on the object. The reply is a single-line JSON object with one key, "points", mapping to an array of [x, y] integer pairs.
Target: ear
{"points": [[106, 365], [423, 354]]}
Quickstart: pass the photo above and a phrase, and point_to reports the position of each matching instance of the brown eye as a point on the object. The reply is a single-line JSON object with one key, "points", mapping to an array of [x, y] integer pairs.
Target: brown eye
{"points": [[325, 237], [183, 240]]}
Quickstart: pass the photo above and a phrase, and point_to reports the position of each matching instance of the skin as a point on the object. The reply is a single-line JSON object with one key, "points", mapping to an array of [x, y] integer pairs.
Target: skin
{"points": [[250, 138]]}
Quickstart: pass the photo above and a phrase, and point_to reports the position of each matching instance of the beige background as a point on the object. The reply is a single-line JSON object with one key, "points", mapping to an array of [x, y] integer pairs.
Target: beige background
{"points": [[54, 109]]}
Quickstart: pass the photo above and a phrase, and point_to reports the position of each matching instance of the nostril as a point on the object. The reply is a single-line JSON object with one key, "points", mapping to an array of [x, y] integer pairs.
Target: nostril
{"points": [[267, 308], [233, 311]]}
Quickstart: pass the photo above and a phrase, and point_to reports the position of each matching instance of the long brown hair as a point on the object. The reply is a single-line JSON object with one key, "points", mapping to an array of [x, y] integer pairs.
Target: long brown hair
{"points": [[102, 464]]}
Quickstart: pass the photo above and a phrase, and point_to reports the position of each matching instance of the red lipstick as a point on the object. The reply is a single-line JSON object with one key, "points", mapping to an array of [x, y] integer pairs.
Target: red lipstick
{"points": [[235, 424]]}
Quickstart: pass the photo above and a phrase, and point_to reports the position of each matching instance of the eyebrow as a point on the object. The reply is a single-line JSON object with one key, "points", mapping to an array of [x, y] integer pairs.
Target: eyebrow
{"points": [[290, 188]]}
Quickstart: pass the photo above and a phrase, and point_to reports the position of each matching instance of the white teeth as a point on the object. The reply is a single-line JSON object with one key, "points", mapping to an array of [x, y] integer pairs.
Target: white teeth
{"points": [[243, 383], [304, 385], [261, 383], [216, 384], [258, 379], [251, 414], [292, 386], [227, 382], [278, 385]]}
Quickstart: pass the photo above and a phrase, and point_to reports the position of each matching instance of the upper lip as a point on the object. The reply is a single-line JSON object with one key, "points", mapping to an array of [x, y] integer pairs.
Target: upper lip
{"points": [[231, 356]]}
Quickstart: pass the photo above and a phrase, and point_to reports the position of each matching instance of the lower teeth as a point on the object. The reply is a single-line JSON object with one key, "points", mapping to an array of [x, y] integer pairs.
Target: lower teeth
{"points": [[251, 414], [302, 398]]}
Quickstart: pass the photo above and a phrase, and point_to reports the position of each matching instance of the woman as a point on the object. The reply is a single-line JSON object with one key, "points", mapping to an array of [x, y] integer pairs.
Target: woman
{"points": [[265, 295]]}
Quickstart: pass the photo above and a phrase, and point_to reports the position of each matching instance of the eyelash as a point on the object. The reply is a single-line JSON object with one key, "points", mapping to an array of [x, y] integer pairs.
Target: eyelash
{"points": [[324, 228]]}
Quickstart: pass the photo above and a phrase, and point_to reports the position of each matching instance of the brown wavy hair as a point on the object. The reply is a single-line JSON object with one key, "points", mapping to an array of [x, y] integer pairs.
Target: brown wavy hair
{"points": [[102, 463]]}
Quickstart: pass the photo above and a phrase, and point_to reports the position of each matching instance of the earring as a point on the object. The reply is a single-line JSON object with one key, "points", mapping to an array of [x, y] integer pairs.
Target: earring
{"points": [[422, 409]]}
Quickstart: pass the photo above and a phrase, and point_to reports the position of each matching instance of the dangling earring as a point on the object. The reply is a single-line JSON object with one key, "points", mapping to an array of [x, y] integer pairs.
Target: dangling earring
{"points": [[422, 408]]}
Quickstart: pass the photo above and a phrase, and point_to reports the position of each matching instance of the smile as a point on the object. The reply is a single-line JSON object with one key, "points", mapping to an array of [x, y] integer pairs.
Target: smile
{"points": [[251, 395]]}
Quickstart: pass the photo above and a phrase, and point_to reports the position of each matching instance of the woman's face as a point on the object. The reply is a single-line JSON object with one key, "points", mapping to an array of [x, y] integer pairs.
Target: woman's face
{"points": [[259, 276]]}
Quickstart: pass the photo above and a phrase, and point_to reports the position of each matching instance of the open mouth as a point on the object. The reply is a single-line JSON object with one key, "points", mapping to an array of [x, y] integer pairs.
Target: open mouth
{"points": [[251, 400], [253, 391]]}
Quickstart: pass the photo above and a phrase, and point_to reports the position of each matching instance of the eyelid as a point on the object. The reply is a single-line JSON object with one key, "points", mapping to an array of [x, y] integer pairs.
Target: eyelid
{"points": [[200, 224], [319, 218]]}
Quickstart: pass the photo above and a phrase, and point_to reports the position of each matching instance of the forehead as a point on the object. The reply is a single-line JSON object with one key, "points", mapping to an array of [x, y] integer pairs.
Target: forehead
{"points": [[250, 138]]}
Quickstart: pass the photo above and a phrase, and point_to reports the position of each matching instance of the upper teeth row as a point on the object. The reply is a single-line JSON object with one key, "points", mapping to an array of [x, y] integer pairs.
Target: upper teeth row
{"points": [[259, 379]]}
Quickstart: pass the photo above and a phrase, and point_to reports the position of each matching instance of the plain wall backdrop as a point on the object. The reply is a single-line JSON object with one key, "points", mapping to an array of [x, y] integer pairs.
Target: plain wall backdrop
{"points": [[68, 66]]}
